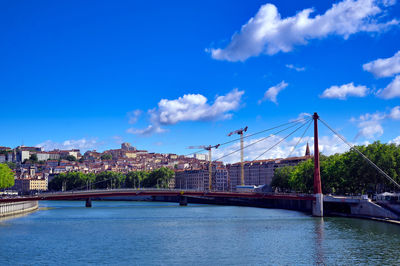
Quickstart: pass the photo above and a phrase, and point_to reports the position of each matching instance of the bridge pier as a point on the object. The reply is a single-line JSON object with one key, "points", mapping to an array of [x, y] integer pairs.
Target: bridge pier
{"points": [[318, 205], [88, 203], [183, 201]]}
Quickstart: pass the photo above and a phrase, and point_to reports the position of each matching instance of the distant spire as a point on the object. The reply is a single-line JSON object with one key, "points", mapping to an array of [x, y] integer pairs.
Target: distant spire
{"points": [[308, 150]]}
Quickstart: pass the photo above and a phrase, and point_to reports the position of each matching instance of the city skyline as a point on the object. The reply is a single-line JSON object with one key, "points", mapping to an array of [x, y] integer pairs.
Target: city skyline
{"points": [[164, 76]]}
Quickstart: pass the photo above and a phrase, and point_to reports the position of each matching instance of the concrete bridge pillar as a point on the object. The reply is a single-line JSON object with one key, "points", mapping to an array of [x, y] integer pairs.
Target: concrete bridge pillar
{"points": [[88, 203], [318, 205], [183, 201]]}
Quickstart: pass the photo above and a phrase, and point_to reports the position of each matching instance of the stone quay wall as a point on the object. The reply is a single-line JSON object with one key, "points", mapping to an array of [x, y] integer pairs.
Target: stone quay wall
{"points": [[14, 208]]}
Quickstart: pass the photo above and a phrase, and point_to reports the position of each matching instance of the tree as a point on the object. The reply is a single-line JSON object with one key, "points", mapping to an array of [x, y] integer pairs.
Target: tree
{"points": [[159, 178], [70, 158], [302, 177], [11, 165], [347, 173], [6, 176], [72, 180], [134, 179], [109, 180], [106, 156], [33, 158], [281, 178]]}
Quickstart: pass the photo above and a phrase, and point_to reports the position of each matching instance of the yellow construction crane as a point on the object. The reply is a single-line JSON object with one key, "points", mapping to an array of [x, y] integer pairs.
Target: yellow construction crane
{"points": [[240, 132], [208, 148]]}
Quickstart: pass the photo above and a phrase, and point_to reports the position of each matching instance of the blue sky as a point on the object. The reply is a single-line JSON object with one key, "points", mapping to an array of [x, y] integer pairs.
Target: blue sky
{"points": [[92, 74]]}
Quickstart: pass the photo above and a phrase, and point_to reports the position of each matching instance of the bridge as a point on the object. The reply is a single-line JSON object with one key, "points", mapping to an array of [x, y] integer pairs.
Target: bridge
{"points": [[305, 202], [174, 194]]}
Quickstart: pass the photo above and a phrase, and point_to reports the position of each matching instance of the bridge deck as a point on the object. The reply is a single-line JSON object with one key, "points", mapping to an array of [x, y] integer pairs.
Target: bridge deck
{"points": [[155, 192]]}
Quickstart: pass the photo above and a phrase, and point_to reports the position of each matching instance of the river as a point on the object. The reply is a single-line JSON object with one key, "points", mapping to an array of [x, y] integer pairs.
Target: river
{"points": [[154, 233]]}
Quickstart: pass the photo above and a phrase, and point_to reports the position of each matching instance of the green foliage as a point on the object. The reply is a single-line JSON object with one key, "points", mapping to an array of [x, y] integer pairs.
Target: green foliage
{"points": [[6, 176], [70, 158], [11, 165], [159, 178], [281, 178], [345, 173], [106, 157], [107, 180], [33, 158], [135, 179], [72, 180]]}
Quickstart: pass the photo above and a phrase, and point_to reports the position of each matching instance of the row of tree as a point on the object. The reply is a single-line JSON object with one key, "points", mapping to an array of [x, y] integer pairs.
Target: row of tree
{"points": [[346, 173], [159, 178], [6, 176]]}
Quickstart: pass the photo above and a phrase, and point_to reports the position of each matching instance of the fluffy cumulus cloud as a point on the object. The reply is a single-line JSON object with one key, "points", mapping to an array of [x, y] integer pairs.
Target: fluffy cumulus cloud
{"points": [[395, 113], [82, 144], [395, 140], [273, 92], [384, 67], [392, 90], [370, 125], [190, 107], [267, 32], [342, 92], [328, 145]]}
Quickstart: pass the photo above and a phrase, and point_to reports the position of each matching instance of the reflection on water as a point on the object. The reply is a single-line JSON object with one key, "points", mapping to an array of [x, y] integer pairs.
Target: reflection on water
{"points": [[153, 233], [319, 232], [3, 219]]}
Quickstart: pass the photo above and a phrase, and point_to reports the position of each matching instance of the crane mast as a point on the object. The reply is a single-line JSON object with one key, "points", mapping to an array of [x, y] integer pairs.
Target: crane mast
{"points": [[208, 148], [240, 132]]}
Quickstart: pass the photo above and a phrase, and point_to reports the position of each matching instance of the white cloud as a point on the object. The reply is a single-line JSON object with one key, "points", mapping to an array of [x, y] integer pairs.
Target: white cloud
{"points": [[298, 69], [328, 145], [82, 144], [272, 92], [268, 33], [301, 116], [370, 125], [370, 129], [190, 107], [395, 140], [386, 67], [150, 129], [395, 113], [392, 90], [342, 92], [134, 116]]}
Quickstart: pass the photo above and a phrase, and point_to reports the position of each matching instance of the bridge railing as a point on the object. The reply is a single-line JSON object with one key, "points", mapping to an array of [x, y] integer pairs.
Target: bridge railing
{"points": [[71, 192]]}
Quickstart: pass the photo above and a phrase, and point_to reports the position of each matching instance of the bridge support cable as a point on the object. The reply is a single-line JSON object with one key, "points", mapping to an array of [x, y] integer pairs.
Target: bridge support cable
{"points": [[301, 120], [294, 148], [273, 146], [266, 130], [352, 147], [262, 139]]}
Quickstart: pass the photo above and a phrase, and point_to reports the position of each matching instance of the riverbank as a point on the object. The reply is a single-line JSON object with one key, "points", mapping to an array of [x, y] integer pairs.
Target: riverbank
{"points": [[16, 208]]}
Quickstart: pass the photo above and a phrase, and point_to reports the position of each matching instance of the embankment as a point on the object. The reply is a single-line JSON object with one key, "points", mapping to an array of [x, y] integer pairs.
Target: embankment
{"points": [[15, 208]]}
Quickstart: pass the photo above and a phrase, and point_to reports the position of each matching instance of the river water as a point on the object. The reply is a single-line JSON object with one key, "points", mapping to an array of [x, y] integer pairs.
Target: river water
{"points": [[154, 233]]}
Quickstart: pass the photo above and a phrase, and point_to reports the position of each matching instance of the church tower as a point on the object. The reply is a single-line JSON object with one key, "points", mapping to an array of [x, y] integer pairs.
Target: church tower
{"points": [[308, 150]]}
